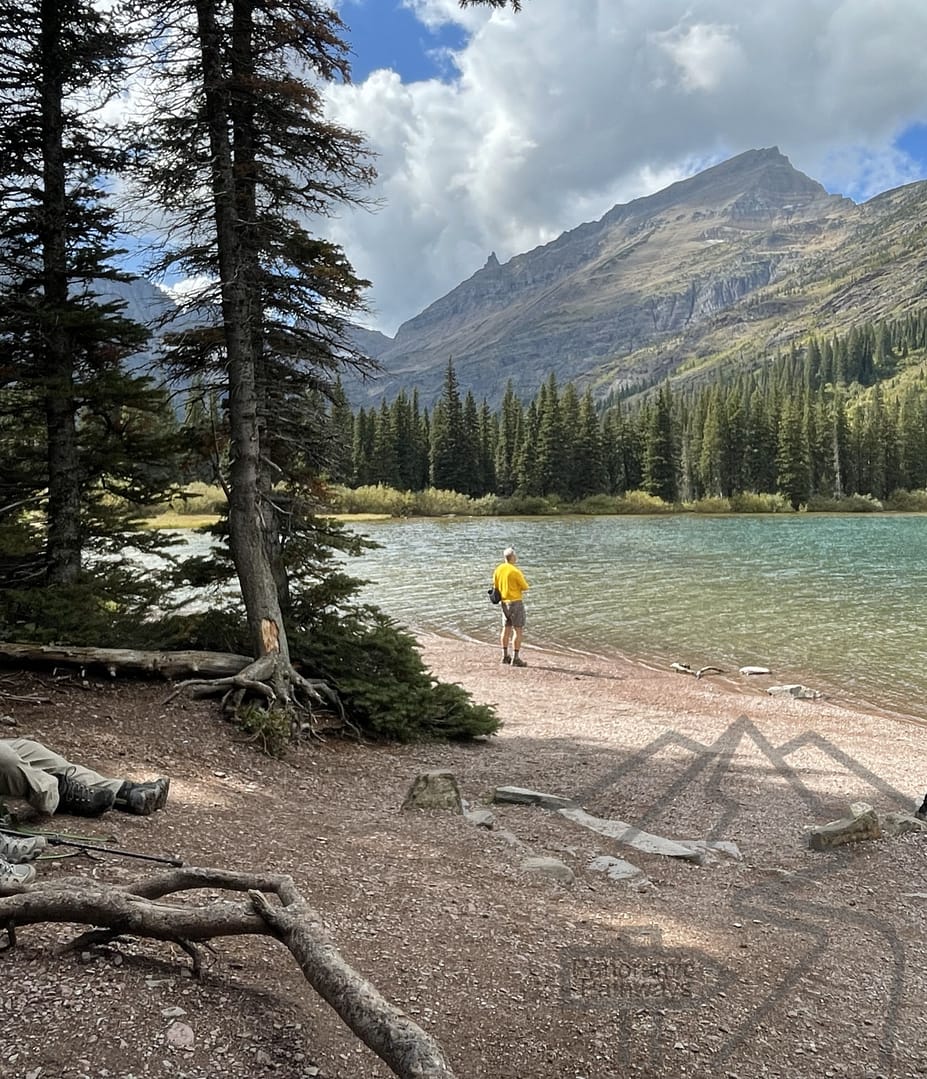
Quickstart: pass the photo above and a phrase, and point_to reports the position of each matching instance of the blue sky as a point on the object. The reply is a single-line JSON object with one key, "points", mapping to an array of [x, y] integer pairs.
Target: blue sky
{"points": [[495, 132], [913, 141], [387, 34]]}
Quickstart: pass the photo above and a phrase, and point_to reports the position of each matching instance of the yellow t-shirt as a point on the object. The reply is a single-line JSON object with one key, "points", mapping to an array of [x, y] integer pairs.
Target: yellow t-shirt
{"points": [[510, 581]]}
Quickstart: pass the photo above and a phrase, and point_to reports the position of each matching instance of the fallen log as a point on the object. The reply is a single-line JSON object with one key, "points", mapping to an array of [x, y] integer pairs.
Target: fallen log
{"points": [[138, 909], [169, 665], [270, 679]]}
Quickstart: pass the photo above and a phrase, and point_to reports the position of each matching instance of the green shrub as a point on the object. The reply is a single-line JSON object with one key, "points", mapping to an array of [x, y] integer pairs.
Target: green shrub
{"points": [[268, 728], [374, 498], [907, 501], [374, 667], [641, 502], [378, 673], [105, 608], [713, 504], [195, 500], [487, 506], [594, 505], [847, 504], [433, 502], [527, 506], [751, 502]]}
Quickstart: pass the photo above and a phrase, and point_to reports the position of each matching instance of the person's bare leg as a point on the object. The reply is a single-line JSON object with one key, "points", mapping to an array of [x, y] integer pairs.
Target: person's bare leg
{"points": [[505, 639], [517, 661]]}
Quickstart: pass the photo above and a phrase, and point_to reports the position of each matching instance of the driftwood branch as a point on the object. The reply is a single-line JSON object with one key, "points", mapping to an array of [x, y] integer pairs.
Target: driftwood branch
{"points": [[274, 908], [684, 668]]}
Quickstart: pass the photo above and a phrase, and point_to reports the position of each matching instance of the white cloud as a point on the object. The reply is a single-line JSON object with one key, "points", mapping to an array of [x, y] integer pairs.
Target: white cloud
{"points": [[707, 56], [568, 108]]}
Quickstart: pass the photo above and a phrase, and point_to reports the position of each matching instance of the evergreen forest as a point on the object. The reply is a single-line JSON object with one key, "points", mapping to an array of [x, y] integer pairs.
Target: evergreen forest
{"points": [[228, 149], [840, 420], [189, 139]]}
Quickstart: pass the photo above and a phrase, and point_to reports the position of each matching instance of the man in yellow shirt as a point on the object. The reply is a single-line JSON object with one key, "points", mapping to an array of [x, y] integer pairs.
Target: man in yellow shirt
{"points": [[510, 581]]}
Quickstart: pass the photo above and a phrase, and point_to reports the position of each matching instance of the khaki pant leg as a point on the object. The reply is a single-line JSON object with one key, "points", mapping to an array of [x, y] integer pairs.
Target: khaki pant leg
{"points": [[29, 770]]}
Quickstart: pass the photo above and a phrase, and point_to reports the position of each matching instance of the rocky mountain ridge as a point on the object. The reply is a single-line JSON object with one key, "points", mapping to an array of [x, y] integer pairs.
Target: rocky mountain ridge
{"points": [[719, 268]]}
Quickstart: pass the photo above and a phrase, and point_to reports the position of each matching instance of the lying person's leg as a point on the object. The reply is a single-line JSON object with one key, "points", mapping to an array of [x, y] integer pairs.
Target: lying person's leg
{"points": [[53, 784]]}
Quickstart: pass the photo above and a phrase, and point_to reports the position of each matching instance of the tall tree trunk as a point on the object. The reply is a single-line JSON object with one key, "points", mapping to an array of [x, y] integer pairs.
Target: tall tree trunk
{"points": [[249, 517]]}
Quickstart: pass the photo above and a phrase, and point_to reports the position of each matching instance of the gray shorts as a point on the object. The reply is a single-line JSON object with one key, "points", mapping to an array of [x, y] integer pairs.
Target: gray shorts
{"points": [[513, 614]]}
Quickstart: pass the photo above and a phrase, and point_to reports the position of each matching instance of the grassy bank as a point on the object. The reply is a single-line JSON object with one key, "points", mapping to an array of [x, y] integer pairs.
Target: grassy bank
{"points": [[202, 505]]}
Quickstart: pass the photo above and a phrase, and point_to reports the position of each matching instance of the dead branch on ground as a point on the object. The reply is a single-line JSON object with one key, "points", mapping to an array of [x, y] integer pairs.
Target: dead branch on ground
{"points": [[274, 908]]}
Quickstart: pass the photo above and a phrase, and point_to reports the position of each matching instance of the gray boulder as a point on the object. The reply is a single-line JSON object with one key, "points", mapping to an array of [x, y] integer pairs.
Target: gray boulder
{"points": [[901, 823], [524, 796], [434, 790], [549, 867], [863, 823]]}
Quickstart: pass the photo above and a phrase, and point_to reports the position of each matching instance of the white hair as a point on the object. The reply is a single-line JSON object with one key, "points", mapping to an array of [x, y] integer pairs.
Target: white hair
{"points": [[508, 553]]}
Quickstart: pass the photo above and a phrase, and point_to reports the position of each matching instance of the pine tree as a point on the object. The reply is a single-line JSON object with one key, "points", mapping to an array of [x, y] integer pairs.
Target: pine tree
{"points": [[488, 435], [421, 441], [341, 425], [385, 461], [527, 475], [659, 478], [876, 447], [449, 454], [362, 452], [549, 448], [240, 155], [839, 442], [794, 477], [473, 478], [912, 430], [713, 444], [589, 472], [507, 444], [61, 346]]}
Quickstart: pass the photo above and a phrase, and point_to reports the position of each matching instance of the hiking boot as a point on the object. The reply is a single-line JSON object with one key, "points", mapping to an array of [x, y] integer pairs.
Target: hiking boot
{"points": [[517, 661], [19, 849], [83, 801], [506, 659], [15, 874], [143, 798]]}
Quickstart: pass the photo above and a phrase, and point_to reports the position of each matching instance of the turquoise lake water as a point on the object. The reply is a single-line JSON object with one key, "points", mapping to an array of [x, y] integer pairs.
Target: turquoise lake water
{"points": [[835, 602]]}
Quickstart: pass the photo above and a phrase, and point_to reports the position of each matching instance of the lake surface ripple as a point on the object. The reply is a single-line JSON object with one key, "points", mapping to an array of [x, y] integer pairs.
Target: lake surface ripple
{"points": [[834, 601]]}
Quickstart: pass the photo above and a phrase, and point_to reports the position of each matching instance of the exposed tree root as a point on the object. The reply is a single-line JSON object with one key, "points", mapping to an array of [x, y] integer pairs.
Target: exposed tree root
{"points": [[311, 706], [274, 681], [135, 909]]}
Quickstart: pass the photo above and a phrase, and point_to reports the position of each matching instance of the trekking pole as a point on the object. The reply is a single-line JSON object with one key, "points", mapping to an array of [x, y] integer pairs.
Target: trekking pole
{"points": [[56, 840]]}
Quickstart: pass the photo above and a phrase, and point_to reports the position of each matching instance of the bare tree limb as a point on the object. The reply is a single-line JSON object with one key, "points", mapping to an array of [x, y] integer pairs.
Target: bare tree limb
{"points": [[139, 909]]}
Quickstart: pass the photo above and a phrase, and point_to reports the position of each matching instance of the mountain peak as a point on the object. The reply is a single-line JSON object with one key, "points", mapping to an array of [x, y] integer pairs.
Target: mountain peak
{"points": [[756, 181], [734, 260]]}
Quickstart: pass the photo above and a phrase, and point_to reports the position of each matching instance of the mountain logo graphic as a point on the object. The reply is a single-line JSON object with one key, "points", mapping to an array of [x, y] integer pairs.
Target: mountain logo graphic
{"points": [[646, 982]]}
